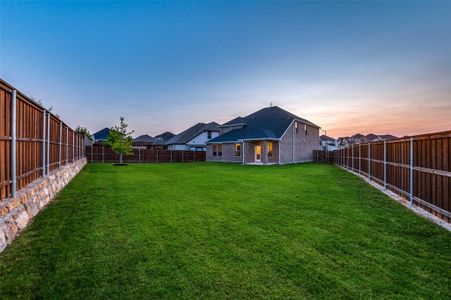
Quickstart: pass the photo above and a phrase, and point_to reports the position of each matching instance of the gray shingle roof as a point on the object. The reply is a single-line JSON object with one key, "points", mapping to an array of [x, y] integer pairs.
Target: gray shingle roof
{"points": [[145, 138], [165, 135], [238, 120], [101, 134], [267, 123], [190, 133]]}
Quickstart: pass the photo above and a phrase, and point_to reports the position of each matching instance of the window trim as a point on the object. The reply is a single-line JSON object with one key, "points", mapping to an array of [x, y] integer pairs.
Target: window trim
{"points": [[215, 150]]}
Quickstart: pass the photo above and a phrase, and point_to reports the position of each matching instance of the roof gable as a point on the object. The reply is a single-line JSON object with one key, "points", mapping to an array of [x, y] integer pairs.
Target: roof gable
{"points": [[101, 134], [165, 135], [145, 138]]}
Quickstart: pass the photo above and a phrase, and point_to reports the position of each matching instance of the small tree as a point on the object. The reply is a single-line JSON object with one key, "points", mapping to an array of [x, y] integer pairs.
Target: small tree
{"points": [[83, 131], [120, 140]]}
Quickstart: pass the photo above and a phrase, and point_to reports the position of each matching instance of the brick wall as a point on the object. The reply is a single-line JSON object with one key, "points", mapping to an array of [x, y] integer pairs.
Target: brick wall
{"points": [[302, 144], [228, 154]]}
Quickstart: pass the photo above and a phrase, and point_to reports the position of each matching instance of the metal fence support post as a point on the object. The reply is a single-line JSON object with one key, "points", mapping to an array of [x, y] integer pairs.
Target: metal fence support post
{"points": [[67, 144], [49, 117], [194, 155], [411, 172], [61, 139], [360, 158], [369, 161], [171, 156], [103, 154], [182, 154], [157, 156], [43, 142], [13, 144], [385, 165], [73, 147], [139, 155], [352, 158]]}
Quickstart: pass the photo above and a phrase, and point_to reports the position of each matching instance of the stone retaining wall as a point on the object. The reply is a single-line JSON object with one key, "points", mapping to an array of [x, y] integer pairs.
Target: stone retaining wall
{"points": [[16, 213]]}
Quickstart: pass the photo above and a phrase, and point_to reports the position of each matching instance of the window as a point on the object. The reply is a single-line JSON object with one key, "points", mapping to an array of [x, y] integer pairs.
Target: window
{"points": [[237, 149], [296, 126], [219, 149], [209, 134], [215, 150], [269, 149], [305, 129]]}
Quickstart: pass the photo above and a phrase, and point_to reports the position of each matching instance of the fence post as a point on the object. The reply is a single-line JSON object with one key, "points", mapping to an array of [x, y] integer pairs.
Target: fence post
{"points": [[49, 117], [157, 156], [194, 155], [171, 156], [139, 155], [43, 143], [73, 147], [182, 155], [360, 158], [369, 161], [103, 154], [60, 144], [352, 158], [13, 144], [385, 165], [67, 144], [411, 172]]}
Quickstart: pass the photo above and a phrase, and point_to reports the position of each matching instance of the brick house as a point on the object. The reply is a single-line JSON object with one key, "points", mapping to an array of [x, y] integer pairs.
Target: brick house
{"points": [[269, 136]]}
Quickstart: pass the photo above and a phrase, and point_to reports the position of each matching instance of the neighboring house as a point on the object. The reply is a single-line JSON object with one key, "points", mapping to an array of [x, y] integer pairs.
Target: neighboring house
{"points": [[161, 139], [101, 135], [269, 136], [144, 141], [193, 138], [328, 143], [360, 139], [164, 136]]}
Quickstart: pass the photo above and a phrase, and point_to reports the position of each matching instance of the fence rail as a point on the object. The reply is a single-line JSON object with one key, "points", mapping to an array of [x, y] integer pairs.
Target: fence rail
{"points": [[417, 168], [33, 141], [104, 154]]}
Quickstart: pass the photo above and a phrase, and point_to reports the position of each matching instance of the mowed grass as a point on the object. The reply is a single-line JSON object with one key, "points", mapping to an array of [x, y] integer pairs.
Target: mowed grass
{"points": [[209, 230]]}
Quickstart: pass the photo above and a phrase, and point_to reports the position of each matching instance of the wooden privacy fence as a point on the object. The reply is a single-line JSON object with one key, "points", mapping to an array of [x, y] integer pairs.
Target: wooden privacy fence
{"points": [[100, 154], [417, 168], [33, 141]]}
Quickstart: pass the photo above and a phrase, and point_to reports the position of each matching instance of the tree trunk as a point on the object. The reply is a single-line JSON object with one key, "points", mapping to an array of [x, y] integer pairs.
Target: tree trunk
{"points": [[120, 158]]}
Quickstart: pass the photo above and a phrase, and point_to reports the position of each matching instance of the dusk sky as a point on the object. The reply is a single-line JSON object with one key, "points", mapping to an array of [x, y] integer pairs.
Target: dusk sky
{"points": [[349, 67]]}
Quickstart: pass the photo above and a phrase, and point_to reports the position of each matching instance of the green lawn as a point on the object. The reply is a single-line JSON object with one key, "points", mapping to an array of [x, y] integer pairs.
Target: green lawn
{"points": [[210, 230]]}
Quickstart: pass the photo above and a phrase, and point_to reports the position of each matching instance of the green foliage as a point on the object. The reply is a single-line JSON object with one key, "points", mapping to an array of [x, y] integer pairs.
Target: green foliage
{"points": [[120, 140], [216, 231], [83, 131]]}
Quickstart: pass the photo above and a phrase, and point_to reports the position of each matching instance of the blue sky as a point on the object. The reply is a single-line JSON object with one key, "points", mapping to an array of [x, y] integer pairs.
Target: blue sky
{"points": [[348, 66]]}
